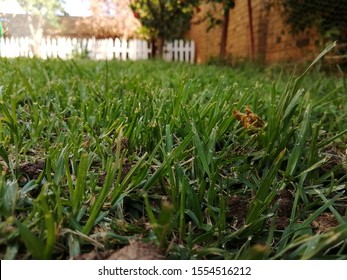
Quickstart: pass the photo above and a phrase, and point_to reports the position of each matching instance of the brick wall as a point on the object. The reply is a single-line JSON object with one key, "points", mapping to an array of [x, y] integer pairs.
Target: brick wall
{"points": [[273, 41], [207, 42]]}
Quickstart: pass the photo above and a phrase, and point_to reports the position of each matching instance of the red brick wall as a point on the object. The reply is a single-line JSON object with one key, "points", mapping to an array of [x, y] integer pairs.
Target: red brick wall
{"points": [[207, 42], [273, 41]]}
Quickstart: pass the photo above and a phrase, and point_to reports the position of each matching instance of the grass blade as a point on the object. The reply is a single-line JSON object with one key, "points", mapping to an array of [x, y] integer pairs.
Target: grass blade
{"points": [[32, 242], [80, 184]]}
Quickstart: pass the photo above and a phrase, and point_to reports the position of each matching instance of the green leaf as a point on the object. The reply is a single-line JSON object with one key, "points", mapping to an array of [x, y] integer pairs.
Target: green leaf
{"points": [[8, 197], [259, 201], [299, 147], [79, 192], [4, 155], [33, 243]]}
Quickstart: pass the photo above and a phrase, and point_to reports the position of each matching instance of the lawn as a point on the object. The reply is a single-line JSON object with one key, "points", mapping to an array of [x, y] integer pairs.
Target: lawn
{"points": [[183, 161]]}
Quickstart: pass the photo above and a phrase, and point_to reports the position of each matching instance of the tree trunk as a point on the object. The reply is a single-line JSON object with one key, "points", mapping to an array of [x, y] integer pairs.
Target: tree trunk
{"points": [[224, 35], [160, 46], [36, 30], [251, 33], [154, 48], [157, 47]]}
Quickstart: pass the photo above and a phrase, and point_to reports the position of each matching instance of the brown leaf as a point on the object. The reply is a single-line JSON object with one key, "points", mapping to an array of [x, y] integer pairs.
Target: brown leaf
{"points": [[249, 120]]}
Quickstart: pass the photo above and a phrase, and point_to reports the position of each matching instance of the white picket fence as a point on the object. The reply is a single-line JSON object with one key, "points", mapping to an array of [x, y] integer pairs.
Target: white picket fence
{"points": [[98, 49]]}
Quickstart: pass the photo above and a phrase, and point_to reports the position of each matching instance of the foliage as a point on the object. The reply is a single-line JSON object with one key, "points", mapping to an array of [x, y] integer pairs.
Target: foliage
{"points": [[48, 9], [218, 18], [227, 4], [330, 18], [39, 12], [167, 20], [94, 154], [109, 19], [164, 19]]}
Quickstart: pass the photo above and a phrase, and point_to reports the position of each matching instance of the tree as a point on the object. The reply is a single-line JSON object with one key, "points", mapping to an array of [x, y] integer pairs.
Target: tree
{"points": [[328, 17], [39, 12], [163, 19]]}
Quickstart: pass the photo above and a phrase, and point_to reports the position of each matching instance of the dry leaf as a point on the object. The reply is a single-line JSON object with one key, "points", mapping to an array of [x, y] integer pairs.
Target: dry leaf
{"points": [[249, 120]]}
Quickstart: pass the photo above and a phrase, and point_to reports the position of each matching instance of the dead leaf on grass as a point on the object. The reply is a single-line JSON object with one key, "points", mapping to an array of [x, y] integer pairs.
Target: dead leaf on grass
{"points": [[249, 120]]}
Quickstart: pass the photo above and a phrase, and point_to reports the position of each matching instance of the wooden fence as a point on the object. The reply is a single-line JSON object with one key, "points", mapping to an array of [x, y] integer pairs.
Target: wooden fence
{"points": [[92, 48]]}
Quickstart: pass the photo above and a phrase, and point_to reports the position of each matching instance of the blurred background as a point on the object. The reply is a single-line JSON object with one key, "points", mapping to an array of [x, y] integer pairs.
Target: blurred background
{"points": [[265, 31]]}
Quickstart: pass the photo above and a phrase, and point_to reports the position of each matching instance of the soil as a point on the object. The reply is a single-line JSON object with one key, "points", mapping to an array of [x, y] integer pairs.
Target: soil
{"points": [[324, 223], [285, 203], [237, 209], [337, 156], [238, 206], [284, 199], [126, 166], [136, 250], [32, 170]]}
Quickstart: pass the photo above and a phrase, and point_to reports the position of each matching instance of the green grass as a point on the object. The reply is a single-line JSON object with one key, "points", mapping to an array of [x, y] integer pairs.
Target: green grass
{"points": [[94, 154]]}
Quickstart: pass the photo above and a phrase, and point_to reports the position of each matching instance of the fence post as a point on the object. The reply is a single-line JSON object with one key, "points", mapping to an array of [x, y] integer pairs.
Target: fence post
{"points": [[110, 45], [125, 49], [168, 51], [132, 45], [192, 51]]}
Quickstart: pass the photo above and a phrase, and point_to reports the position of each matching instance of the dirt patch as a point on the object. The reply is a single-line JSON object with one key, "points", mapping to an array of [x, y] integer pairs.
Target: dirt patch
{"points": [[324, 223], [285, 203], [237, 209], [336, 156], [282, 223], [31, 170], [136, 250], [124, 144], [284, 198], [126, 166]]}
